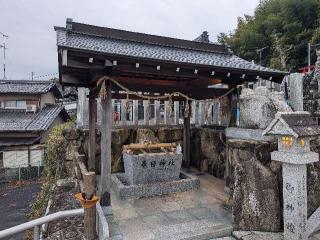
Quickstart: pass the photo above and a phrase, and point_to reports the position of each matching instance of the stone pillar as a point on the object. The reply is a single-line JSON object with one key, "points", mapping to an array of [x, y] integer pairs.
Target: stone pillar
{"points": [[209, 112], [123, 112], [146, 115], [135, 112], [157, 112], [295, 201], [176, 112], [194, 112], [167, 119], [201, 113]]}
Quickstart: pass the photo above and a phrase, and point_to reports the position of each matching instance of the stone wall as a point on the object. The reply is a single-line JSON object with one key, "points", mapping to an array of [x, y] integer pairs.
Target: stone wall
{"points": [[256, 185], [207, 144]]}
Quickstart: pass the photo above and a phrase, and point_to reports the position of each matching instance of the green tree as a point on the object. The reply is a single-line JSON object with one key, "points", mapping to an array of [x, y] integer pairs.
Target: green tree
{"points": [[284, 26]]}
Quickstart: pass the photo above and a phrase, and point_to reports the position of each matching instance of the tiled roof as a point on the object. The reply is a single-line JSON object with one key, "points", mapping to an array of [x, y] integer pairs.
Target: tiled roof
{"points": [[138, 45], [28, 87], [20, 120]]}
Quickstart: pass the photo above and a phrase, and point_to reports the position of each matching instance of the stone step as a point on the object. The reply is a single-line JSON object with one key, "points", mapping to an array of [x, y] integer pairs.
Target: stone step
{"points": [[116, 237], [194, 230]]}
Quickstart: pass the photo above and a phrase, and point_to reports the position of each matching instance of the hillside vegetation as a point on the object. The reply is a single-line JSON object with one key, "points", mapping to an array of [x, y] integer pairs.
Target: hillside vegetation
{"points": [[284, 26]]}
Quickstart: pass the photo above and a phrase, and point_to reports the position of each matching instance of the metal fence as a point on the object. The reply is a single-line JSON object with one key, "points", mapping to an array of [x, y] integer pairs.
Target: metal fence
{"points": [[21, 172]]}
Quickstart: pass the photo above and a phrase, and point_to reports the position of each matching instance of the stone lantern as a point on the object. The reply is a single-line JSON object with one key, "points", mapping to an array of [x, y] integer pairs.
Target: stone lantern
{"points": [[294, 131]]}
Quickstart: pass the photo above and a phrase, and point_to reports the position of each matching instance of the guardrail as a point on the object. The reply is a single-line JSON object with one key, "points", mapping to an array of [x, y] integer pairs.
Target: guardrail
{"points": [[102, 224], [36, 223]]}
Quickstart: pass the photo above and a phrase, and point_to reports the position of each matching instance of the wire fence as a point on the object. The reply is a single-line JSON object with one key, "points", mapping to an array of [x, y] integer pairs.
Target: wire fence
{"points": [[21, 172]]}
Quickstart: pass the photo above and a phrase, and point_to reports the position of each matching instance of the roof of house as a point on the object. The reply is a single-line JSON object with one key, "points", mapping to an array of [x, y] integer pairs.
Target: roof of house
{"points": [[20, 120], [28, 87], [297, 124], [145, 46]]}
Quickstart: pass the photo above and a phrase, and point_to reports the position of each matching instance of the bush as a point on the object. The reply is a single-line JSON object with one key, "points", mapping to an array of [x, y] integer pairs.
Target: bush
{"points": [[54, 168]]}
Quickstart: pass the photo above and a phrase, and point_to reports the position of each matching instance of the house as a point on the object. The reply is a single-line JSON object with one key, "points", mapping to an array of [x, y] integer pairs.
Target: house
{"points": [[28, 111]]}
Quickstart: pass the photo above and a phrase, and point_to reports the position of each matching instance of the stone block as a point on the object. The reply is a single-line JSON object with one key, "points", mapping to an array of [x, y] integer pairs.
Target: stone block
{"points": [[124, 190], [248, 134], [148, 168]]}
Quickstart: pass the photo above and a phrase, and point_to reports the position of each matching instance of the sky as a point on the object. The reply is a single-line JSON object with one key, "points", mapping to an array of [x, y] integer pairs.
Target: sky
{"points": [[32, 39]]}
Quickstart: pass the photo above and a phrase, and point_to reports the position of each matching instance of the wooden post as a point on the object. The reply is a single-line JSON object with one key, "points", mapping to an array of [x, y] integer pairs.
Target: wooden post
{"points": [[157, 112], [92, 131], [135, 112], [176, 112], [89, 180], [123, 112], [146, 115], [167, 114], [106, 125], [186, 139]]}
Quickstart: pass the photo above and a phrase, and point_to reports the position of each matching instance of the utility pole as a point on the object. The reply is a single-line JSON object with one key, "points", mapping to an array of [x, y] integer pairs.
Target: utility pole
{"points": [[4, 53], [309, 53], [259, 51]]}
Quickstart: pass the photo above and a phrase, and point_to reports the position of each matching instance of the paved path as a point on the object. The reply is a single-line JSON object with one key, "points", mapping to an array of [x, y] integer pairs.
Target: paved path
{"points": [[174, 216], [14, 204]]}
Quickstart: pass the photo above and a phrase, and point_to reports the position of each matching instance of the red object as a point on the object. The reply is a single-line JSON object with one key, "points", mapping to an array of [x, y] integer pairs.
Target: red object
{"points": [[305, 70], [116, 116]]}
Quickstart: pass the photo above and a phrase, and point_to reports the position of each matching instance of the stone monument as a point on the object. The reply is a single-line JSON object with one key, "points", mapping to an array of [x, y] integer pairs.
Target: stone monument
{"points": [[152, 169], [294, 131]]}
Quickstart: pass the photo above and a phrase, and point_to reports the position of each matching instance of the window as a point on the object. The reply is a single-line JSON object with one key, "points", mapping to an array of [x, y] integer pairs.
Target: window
{"points": [[21, 104], [10, 104], [18, 104]]}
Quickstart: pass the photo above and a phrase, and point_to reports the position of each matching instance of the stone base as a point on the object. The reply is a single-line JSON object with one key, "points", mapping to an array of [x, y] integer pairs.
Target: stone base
{"points": [[248, 134], [107, 211], [125, 191]]}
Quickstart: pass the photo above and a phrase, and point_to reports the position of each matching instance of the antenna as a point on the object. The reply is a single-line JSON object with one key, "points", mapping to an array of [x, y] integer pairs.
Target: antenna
{"points": [[4, 53]]}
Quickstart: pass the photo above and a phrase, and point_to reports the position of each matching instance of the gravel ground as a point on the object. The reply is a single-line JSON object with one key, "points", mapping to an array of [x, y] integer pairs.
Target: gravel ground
{"points": [[68, 228]]}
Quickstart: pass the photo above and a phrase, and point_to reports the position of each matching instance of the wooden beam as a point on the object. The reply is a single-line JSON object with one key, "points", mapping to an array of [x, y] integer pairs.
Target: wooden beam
{"points": [[92, 132], [106, 125]]}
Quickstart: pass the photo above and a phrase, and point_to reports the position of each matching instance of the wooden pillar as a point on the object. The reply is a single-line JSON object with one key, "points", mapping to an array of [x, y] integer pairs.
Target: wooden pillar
{"points": [[167, 119], [157, 112], [89, 180], [92, 131], [135, 112], [176, 112], [106, 126], [123, 112], [146, 115], [186, 138]]}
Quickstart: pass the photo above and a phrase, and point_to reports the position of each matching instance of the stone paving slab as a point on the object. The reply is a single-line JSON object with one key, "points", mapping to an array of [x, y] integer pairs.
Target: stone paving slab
{"points": [[192, 215]]}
